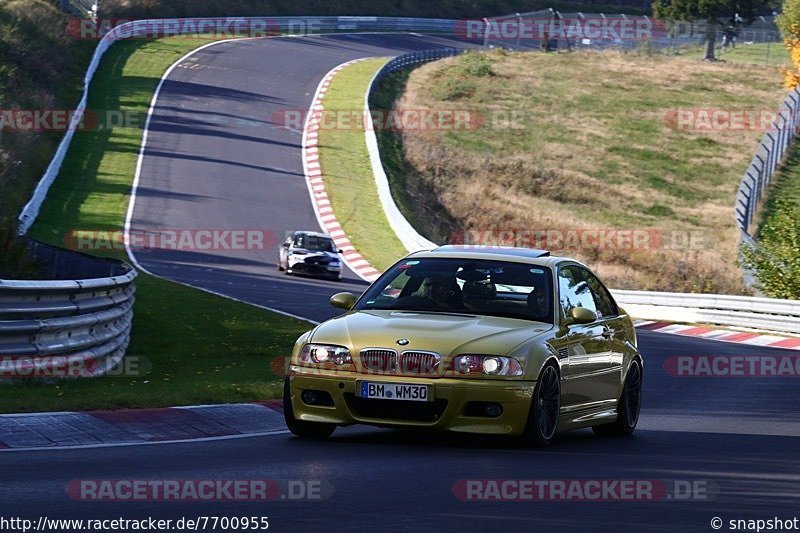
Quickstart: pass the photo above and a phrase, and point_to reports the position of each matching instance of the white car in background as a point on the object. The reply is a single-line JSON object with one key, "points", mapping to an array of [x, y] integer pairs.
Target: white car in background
{"points": [[311, 253]]}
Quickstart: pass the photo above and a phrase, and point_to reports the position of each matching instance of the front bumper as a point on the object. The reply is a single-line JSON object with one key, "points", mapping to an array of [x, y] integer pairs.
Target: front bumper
{"points": [[315, 269], [446, 411]]}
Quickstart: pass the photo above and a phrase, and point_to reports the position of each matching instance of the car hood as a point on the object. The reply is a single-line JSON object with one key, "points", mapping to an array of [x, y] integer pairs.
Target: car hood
{"points": [[446, 334]]}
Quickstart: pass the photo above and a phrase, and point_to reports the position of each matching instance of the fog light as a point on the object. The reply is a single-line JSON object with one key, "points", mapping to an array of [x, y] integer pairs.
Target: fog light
{"points": [[317, 398], [309, 397], [483, 409], [493, 410]]}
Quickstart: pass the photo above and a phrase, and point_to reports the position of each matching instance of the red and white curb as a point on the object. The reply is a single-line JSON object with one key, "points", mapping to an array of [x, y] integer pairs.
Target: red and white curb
{"points": [[316, 183], [725, 335]]}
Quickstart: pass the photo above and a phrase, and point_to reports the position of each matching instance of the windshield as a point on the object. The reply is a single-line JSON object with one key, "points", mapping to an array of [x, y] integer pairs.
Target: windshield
{"points": [[314, 243], [465, 286]]}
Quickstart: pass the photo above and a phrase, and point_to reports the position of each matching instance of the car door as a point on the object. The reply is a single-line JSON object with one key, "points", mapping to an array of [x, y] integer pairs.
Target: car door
{"points": [[587, 375], [615, 326]]}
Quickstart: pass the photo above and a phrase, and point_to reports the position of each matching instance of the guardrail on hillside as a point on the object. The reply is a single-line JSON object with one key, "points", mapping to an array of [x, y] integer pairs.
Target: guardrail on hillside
{"points": [[66, 327], [405, 232], [758, 176], [269, 25], [742, 311]]}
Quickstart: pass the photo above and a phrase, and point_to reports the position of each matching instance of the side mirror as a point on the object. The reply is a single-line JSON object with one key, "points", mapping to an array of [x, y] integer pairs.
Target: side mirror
{"points": [[343, 300], [581, 315], [285, 245], [339, 251]]}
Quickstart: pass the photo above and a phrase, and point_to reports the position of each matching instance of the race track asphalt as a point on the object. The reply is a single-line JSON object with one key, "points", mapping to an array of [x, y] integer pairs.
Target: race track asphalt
{"points": [[219, 155], [737, 437]]}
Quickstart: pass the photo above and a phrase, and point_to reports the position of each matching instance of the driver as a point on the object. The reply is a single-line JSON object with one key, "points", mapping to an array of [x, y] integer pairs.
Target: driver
{"points": [[440, 290], [437, 291]]}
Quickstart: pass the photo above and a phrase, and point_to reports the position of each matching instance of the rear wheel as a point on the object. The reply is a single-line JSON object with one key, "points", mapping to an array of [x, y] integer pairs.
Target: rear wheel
{"points": [[540, 429], [630, 402], [308, 430]]}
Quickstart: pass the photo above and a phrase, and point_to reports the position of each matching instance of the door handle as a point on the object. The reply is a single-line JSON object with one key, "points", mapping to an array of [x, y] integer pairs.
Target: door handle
{"points": [[607, 332]]}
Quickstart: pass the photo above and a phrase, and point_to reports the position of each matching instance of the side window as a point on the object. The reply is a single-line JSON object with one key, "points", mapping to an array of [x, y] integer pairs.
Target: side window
{"points": [[603, 300], [573, 291]]}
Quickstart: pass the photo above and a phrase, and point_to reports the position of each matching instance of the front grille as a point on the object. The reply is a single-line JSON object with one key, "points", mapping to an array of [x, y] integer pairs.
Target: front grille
{"points": [[419, 362], [378, 360], [396, 409]]}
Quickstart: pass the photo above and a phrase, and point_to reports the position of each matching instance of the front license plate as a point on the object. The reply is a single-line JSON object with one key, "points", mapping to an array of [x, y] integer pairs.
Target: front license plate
{"points": [[395, 391]]}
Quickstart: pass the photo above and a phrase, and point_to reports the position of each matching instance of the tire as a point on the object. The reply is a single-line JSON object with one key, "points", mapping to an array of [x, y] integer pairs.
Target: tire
{"points": [[628, 406], [542, 423], [307, 430]]}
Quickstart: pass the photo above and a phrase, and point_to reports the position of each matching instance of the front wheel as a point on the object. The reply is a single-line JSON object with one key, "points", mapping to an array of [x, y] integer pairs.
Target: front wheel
{"points": [[540, 429], [630, 402], [308, 430]]}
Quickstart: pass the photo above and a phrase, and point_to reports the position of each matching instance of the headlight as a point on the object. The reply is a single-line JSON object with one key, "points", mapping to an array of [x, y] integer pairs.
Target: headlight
{"points": [[491, 365], [325, 353]]}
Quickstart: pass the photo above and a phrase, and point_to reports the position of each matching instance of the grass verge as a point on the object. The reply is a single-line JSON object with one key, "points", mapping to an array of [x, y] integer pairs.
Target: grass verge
{"points": [[785, 187], [764, 54], [775, 260], [197, 348], [596, 146], [346, 167]]}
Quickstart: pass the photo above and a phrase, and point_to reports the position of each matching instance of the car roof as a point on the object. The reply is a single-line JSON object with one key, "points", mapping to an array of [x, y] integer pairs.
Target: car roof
{"points": [[501, 253], [312, 233]]}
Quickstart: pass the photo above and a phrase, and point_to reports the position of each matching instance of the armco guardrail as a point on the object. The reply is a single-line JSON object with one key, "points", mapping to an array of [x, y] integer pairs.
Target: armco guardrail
{"points": [[241, 25], [741, 311], [77, 327], [405, 232], [758, 176]]}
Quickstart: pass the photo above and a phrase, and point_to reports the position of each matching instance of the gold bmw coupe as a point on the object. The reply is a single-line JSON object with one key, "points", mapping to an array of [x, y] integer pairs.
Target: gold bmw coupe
{"points": [[480, 340]]}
